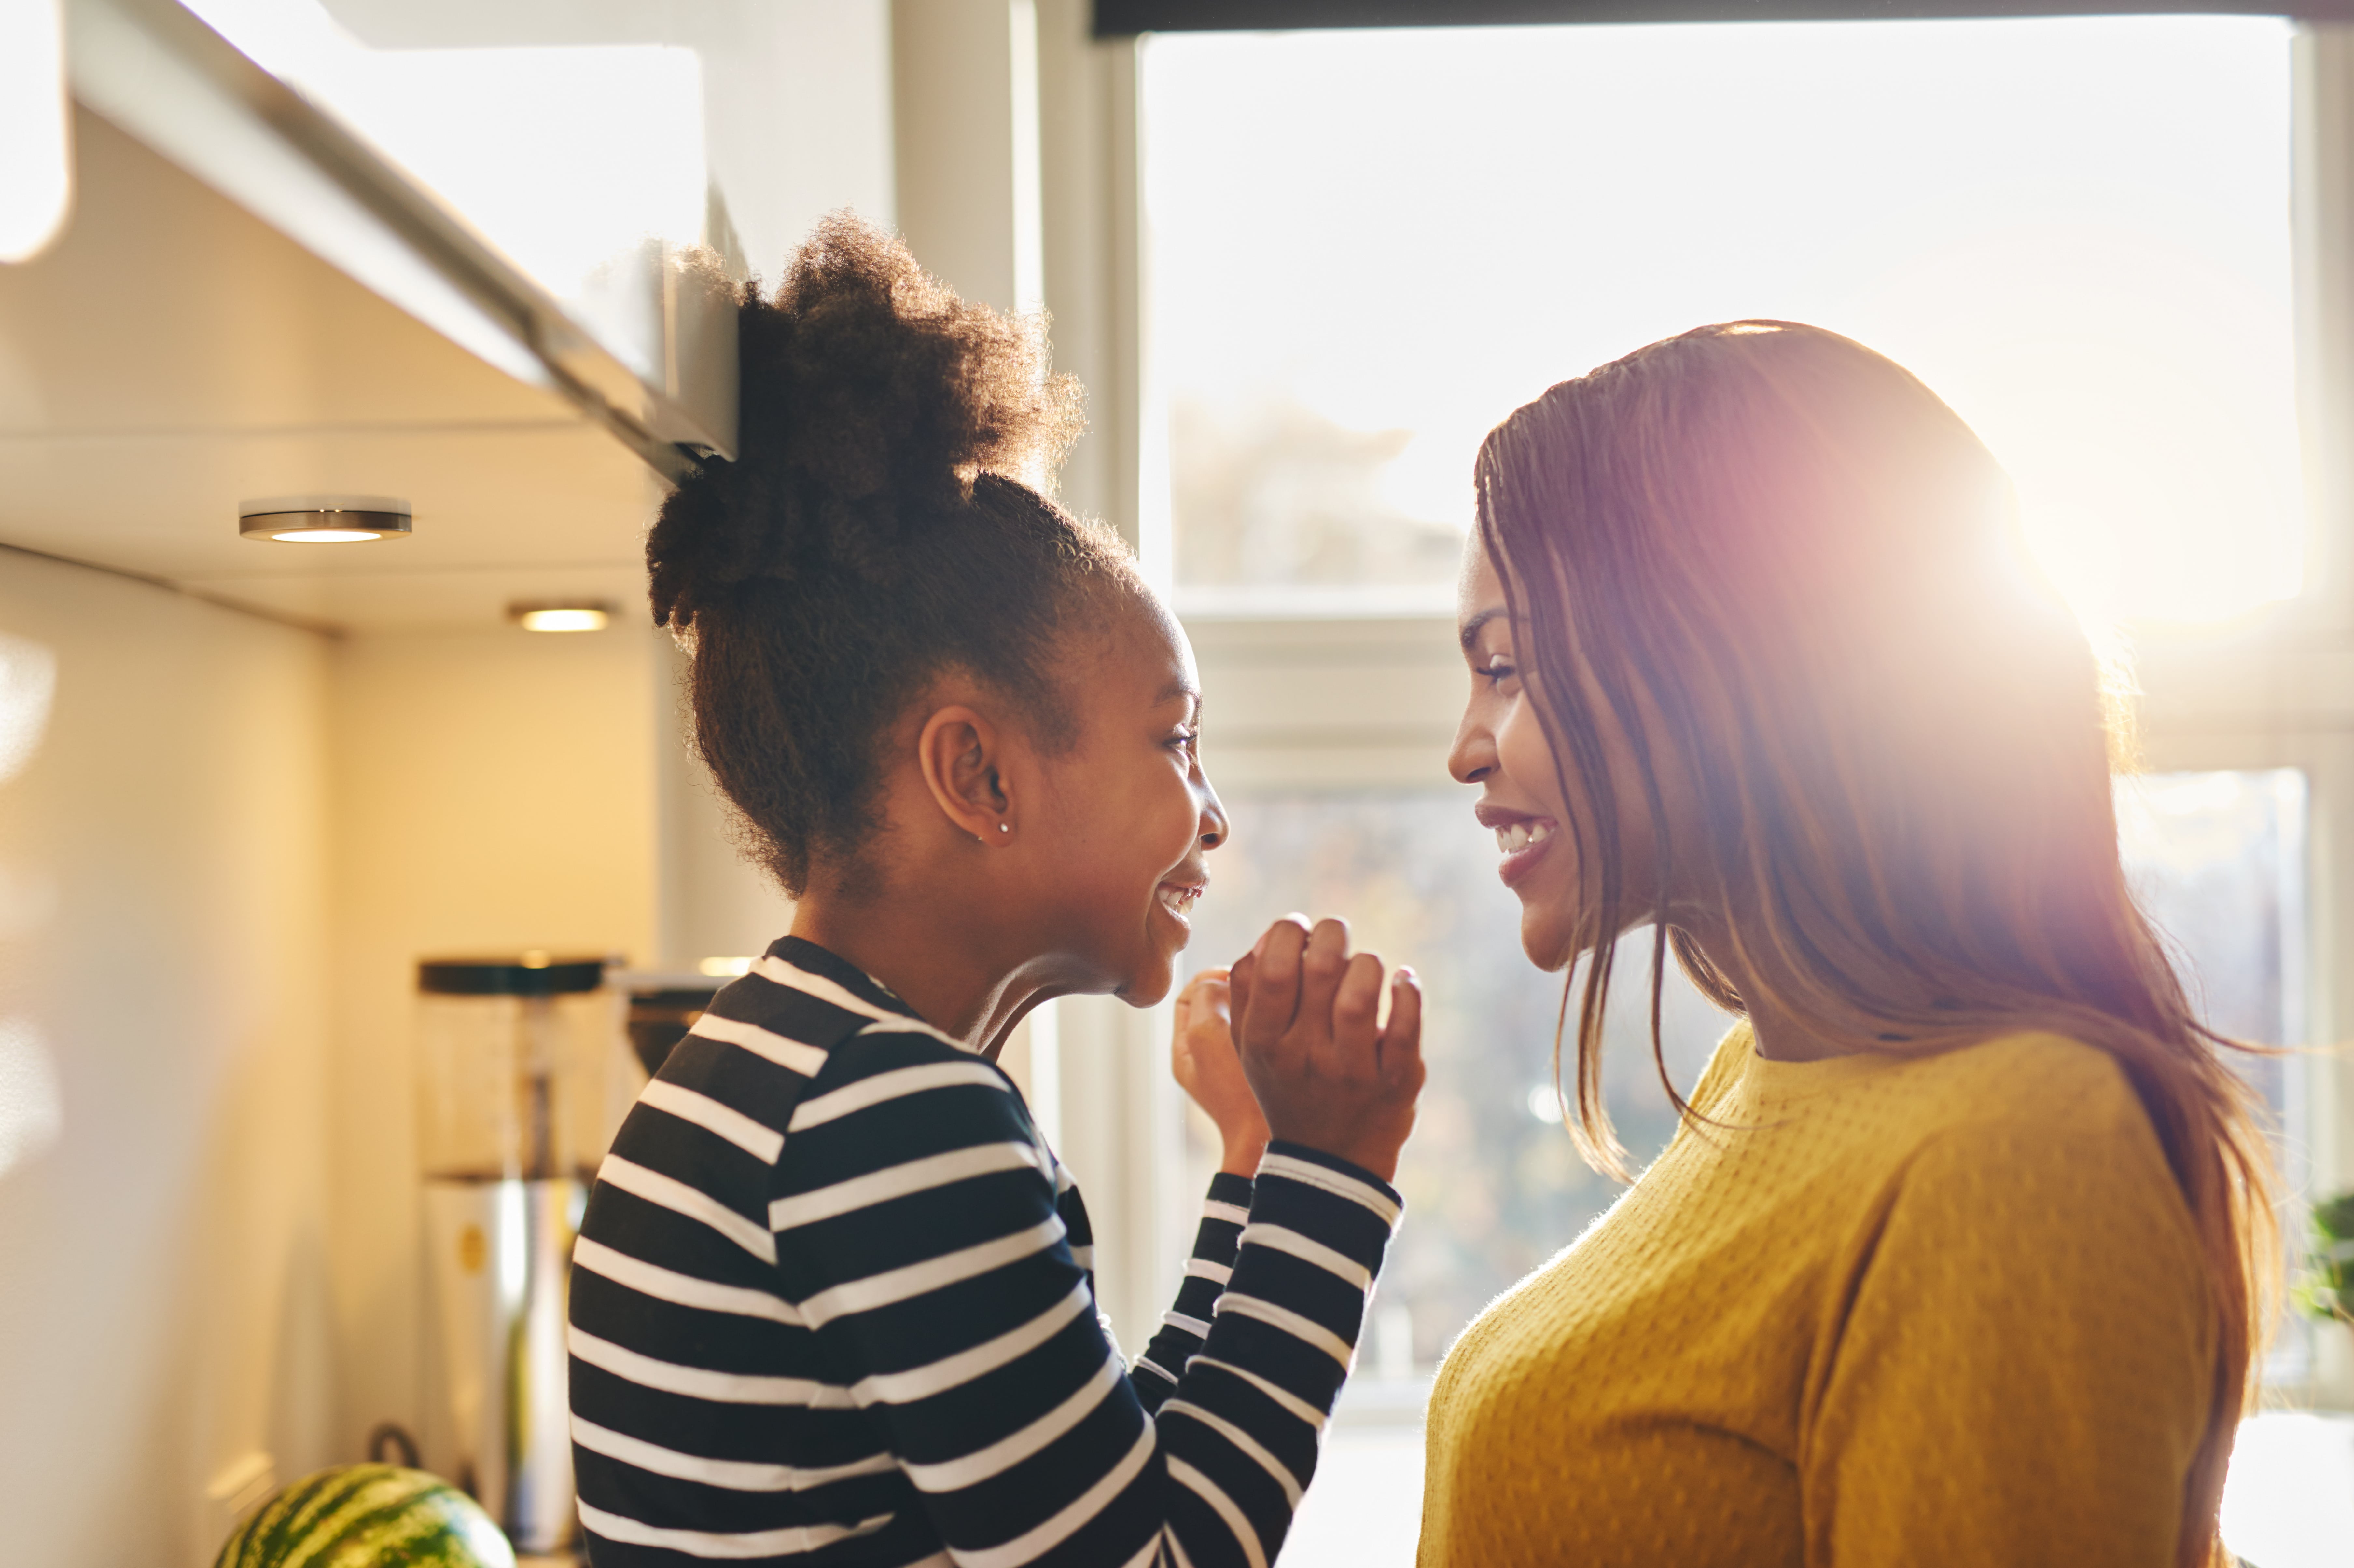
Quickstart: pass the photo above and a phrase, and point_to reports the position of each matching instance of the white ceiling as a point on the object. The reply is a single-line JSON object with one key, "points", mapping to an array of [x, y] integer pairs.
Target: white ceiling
{"points": [[171, 355]]}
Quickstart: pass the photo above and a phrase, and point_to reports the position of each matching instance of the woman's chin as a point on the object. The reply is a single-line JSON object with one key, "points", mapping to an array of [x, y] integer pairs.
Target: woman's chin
{"points": [[1545, 937]]}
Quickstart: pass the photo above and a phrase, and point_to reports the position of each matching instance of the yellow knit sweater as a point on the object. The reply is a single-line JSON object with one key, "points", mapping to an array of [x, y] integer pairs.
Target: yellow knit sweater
{"points": [[1941, 1312]]}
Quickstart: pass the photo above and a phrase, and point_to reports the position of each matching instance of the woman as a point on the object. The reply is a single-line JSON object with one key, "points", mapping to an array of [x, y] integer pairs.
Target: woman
{"points": [[833, 1299], [1960, 1254]]}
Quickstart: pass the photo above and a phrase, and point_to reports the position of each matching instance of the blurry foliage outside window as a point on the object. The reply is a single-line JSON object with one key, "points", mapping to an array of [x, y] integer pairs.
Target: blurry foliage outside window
{"points": [[1493, 1185], [1369, 247], [2217, 860]]}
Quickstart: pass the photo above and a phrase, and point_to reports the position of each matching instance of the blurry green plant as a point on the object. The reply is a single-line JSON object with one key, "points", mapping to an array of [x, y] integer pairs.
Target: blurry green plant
{"points": [[2326, 1287]]}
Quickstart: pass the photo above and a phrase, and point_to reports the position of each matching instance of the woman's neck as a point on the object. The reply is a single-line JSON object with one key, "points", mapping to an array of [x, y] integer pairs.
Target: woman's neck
{"points": [[1779, 1033], [1780, 1036], [1860, 1023]]}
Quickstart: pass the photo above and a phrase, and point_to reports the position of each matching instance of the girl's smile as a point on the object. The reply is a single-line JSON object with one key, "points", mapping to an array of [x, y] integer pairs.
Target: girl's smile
{"points": [[1179, 898], [1114, 863]]}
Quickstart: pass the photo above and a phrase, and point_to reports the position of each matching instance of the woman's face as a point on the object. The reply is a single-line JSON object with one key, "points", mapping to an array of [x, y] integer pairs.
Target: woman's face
{"points": [[1500, 747], [1131, 814]]}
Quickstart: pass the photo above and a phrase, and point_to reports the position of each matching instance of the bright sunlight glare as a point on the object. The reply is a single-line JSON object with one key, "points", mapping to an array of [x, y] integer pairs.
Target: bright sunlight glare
{"points": [[36, 162], [568, 157], [1372, 246]]}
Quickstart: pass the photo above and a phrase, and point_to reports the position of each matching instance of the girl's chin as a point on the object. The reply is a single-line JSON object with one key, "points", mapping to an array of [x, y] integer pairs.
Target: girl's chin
{"points": [[1150, 983], [1141, 994]]}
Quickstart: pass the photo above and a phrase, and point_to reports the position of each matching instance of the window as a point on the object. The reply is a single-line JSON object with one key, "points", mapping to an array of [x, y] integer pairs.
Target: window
{"points": [[2217, 861], [1370, 246], [1366, 247]]}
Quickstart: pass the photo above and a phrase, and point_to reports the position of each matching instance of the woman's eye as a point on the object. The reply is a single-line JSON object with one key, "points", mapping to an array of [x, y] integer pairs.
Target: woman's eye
{"points": [[1498, 669], [1186, 741]]}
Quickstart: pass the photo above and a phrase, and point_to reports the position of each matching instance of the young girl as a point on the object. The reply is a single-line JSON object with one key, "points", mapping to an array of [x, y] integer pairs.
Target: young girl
{"points": [[830, 1301], [1959, 1255]]}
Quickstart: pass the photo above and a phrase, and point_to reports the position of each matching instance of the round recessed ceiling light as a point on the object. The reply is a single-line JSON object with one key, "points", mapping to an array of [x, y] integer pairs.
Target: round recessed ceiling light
{"points": [[324, 519], [574, 617]]}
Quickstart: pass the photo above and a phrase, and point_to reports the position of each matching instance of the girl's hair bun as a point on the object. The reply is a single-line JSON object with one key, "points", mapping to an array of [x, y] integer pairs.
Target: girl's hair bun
{"points": [[872, 398]]}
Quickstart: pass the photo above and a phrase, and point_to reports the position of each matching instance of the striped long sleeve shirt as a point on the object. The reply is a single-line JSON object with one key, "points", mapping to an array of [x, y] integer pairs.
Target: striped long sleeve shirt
{"points": [[832, 1305]]}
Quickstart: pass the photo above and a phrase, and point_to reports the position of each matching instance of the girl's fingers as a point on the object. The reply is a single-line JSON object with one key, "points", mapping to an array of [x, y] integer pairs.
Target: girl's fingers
{"points": [[1275, 979], [1355, 1007], [1321, 965], [1401, 1046], [1216, 996]]}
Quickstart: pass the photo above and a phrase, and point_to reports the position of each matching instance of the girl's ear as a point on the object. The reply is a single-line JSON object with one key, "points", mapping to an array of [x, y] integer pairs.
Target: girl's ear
{"points": [[961, 753]]}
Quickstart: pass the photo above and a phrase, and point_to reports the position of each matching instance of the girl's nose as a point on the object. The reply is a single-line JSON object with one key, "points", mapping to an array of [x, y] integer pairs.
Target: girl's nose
{"points": [[1214, 827]]}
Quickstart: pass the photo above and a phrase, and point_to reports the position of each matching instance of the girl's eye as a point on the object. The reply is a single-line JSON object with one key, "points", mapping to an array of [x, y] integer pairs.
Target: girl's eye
{"points": [[1498, 669], [1186, 741]]}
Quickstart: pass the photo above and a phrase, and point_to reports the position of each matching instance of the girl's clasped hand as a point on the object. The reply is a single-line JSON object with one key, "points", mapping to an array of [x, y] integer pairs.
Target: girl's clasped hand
{"points": [[1289, 1045]]}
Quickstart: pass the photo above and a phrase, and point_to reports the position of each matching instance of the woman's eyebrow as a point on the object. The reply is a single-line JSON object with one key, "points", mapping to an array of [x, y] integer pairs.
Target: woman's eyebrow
{"points": [[1472, 628]]}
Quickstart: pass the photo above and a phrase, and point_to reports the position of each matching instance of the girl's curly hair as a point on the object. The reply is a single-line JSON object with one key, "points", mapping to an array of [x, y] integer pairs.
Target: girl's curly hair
{"points": [[884, 520]]}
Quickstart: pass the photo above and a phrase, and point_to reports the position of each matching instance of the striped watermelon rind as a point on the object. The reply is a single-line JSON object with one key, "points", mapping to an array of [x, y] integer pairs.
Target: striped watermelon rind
{"points": [[368, 1516]]}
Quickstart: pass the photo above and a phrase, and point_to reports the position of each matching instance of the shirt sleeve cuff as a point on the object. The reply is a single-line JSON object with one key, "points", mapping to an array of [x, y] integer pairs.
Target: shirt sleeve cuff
{"points": [[1330, 1171], [1338, 1203], [1234, 1191]]}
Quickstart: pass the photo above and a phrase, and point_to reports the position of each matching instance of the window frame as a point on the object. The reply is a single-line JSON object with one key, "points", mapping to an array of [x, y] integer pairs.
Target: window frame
{"points": [[1372, 701]]}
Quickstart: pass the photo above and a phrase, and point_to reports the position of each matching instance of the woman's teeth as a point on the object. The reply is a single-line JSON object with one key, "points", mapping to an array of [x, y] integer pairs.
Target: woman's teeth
{"points": [[1179, 900], [1519, 836]]}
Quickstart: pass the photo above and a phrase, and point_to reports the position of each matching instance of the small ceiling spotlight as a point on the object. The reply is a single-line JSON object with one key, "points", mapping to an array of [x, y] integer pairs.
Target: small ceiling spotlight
{"points": [[553, 617], [324, 519]]}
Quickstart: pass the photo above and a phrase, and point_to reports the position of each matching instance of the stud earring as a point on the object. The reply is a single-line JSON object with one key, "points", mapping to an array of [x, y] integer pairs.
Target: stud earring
{"points": [[1005, 827]]}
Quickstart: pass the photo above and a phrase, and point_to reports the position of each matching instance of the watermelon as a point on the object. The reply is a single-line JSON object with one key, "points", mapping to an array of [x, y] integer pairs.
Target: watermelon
{"points": [[368, 1516]]}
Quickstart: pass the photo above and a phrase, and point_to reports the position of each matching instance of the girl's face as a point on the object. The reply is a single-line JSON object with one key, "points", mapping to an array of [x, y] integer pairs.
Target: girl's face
{"points": [[1130, 812], [1501, 746]]}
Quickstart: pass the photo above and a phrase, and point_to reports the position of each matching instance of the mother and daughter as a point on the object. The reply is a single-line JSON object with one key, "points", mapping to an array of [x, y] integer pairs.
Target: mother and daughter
{"points": [[1959, 1257]]}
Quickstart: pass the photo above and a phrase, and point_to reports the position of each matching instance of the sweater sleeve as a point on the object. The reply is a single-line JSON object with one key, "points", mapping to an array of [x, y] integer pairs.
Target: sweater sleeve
{"points": [[2023, 1370], [1185, 1327], [920, 1241]]}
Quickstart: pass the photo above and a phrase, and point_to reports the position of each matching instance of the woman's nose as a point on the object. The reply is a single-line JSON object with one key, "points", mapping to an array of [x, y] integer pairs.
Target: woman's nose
{"points": [[1473, 756]]}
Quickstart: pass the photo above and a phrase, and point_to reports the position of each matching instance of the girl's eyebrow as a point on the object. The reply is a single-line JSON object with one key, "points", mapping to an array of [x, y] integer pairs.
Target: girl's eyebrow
{"points": [[1179, 691]]}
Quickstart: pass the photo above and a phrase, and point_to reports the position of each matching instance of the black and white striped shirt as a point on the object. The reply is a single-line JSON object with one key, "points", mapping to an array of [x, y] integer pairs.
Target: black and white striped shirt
{"points": [[832, 1305]]}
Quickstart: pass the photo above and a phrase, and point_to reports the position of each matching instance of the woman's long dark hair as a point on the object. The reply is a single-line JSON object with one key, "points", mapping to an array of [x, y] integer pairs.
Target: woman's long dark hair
{"points": [[1777, 556]]}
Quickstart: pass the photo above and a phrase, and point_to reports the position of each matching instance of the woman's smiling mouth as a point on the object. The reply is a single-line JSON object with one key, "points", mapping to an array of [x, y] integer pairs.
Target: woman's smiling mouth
{"points": [[1517, 836], [1521, 840]]}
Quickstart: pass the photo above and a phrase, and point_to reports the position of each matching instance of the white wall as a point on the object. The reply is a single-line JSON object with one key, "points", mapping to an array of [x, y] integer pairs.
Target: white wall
{"points": [[217, 869], [162, 901], [233, 839], [714, 903], [495, 792]]}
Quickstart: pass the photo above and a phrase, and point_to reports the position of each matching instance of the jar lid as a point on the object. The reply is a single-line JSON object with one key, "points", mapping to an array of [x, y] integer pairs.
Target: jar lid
{"points": [[523, 974]]}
